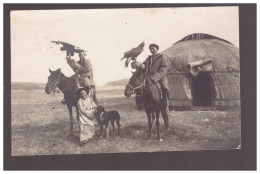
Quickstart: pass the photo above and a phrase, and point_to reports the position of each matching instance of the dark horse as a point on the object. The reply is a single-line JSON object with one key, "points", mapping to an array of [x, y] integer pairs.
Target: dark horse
{"points": [[151, 97], [68, 86]]}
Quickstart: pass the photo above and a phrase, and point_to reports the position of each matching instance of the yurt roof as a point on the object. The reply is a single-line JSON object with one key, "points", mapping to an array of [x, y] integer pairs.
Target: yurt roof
{"points": [[199, 46]]}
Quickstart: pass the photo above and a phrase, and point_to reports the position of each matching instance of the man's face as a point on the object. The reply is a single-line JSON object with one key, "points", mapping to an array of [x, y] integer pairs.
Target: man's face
{"points": [[83, 95], [153, 50]]}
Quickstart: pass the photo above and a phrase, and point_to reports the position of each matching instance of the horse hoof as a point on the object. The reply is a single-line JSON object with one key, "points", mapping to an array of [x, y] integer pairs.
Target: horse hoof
{"points": [[159, 139], [81, 144]]}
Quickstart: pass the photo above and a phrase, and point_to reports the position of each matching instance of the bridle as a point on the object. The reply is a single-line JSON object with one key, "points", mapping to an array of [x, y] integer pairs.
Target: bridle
{"points": [[135, 88], [55, 84]]}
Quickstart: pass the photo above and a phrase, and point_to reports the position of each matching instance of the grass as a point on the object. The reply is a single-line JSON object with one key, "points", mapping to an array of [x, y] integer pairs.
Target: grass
{"points": [[40, 125]]}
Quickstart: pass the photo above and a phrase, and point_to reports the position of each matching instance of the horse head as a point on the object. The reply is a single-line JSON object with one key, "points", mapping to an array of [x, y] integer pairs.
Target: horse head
{"points": [[53, 81], [135, 83]]}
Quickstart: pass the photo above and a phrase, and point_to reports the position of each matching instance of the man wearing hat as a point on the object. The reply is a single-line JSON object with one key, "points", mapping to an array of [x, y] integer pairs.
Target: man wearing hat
{"points": [[155, 67], [83, 68]]}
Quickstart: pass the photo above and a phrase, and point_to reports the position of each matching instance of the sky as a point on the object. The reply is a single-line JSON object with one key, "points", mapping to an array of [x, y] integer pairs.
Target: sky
{"points": [[106, 34]]}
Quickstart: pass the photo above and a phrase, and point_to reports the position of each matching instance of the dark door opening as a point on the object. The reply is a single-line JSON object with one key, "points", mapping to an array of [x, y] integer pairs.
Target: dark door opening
{"points": [[201, 89]]}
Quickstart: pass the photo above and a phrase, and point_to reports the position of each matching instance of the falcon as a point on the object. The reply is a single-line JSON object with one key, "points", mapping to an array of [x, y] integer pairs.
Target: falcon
{"points": [[70, 49], [133, 53]]}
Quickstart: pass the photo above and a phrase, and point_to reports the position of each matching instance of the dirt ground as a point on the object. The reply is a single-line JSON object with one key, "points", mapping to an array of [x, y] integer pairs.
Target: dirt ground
{"points": [[40, 125]]}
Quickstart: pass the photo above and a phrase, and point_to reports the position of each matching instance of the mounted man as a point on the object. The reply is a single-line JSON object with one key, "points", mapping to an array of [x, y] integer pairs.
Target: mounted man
{"points": [[84, 73], [155, 67], [82, 68]]}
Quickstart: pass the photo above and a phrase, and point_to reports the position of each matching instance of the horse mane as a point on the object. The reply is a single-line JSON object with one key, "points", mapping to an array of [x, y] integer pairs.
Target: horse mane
{"points": [[68, 86], [136, 74]]}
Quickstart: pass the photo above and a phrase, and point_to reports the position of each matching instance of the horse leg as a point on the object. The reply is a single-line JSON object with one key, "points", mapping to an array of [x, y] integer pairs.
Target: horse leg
{"points": [[158, 125], [153, 118], [69, 106], [149, 123], [77, 110]]}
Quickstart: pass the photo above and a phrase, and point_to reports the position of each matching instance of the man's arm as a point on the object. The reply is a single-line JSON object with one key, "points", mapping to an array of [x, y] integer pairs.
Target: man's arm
{"points": [[77, 68], [161, 71], [138, 65]]}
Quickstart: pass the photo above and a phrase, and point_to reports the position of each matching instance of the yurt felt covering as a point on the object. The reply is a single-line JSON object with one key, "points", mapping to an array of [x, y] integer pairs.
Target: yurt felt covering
{"points": [[212, 55]]}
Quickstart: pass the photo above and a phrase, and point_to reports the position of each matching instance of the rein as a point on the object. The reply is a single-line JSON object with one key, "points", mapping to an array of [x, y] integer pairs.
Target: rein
{"points": [[140, 86], [135, 88]]}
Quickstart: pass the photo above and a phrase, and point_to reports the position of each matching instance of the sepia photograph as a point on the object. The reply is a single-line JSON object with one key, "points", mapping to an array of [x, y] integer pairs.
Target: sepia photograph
{"points": [[55, 53], [125, 80]]}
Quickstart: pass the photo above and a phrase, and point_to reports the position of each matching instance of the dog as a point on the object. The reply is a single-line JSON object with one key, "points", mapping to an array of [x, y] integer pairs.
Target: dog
{"points": [[104, 117]]}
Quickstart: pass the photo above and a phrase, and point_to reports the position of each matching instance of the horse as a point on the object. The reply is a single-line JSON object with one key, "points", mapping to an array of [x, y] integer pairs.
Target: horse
{"points": [[151, 97], [68, 86]]}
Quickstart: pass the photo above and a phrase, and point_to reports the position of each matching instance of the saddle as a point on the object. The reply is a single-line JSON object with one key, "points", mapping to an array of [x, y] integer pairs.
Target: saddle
{"points": [[160, 90]]}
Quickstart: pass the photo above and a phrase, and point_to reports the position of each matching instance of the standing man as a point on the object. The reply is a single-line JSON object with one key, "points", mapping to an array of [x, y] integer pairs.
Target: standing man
{"points": [[83, 68], [155, 67]]}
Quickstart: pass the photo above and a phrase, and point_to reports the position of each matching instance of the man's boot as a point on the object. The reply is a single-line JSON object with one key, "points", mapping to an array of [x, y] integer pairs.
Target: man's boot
{"points": [[165, 115], [94, 95], [165, 109]]}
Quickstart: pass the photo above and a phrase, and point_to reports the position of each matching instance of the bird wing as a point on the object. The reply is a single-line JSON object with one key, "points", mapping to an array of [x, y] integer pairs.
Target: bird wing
{"points": [[63, 43], [78, 50], [133, 53], [69, 47], [66, 46]]}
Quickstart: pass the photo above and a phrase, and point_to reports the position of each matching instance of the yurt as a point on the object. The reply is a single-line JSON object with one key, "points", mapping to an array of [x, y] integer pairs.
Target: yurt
{"points": [[203, 71]]}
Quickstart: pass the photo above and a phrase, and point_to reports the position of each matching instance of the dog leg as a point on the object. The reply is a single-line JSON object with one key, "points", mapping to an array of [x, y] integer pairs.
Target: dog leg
{"points": [[101, 131], [118, 127], [107, 130], [113, 125]]}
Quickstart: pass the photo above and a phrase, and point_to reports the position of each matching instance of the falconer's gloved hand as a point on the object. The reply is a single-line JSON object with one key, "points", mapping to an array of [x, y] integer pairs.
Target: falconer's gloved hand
{"points": [[135, 65], [69, 60]]}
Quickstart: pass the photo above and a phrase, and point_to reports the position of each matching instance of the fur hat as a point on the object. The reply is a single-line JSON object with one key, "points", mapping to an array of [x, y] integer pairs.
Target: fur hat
{"points": [[154, 45]]}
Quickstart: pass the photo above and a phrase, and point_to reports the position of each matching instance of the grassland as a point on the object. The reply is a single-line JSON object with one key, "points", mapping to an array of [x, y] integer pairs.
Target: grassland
{"points": [[40, 124]]}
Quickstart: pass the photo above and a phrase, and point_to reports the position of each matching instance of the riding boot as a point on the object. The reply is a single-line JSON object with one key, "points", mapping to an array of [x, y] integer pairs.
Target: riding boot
{"points": [[165, 109], [63, 101], [94, 95], [165, 115], [165, 95]]}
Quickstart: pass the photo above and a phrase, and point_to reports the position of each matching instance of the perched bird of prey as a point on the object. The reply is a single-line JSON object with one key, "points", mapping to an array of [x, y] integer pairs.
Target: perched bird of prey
{"points": [[133, 53], [70, 49]]}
